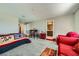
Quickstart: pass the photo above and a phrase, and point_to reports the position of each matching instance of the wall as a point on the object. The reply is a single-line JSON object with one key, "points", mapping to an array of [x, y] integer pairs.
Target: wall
{"points": [[8, 24], [63, 24], [76, 15], [27, 28], [40, 25]]}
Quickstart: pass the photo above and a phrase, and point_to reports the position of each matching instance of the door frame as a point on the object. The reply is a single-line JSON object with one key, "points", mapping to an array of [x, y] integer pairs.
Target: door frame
{"points": [[52, 27]]}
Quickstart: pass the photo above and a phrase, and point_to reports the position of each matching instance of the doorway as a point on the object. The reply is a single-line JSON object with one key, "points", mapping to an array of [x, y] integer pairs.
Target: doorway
{"points": [[50, 28], [21, 28]]}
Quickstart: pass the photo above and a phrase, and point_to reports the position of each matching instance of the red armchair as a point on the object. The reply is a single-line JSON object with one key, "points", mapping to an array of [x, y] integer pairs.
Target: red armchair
{"points": [[42, 35], [68, 45]]}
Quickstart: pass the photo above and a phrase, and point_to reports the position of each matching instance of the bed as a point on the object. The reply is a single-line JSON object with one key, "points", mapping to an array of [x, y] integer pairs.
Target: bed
{"points": [[11, 43]]}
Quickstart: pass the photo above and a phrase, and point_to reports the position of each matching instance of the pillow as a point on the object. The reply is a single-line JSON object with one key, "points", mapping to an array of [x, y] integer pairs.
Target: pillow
{"points": [[66, 50], [18, 35], [72, 34], [76, 47], [10, 37], [1, 39], [6, 37], [67, 40]]}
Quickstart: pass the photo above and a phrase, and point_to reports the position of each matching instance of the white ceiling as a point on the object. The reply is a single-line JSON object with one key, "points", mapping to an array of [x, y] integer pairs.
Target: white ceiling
{"points": [[30, 12]]}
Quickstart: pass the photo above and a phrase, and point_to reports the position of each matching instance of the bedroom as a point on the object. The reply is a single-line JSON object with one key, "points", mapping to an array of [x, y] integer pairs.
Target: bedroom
{"points": [[22, 18]]}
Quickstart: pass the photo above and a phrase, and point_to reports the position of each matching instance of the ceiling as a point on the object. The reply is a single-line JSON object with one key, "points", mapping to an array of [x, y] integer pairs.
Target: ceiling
{"points": [[39, 11]]}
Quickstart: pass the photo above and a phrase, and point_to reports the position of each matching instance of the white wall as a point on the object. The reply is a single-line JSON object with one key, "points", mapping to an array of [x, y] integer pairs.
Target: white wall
{"points": [[27, 28], [8, 24], [63, 24], [40, 25], [77, 21]]}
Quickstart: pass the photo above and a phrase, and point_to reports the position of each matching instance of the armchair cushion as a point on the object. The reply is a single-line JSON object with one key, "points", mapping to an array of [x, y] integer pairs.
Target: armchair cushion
{"points": [[67, 40], [76, 48], [66, 50]]}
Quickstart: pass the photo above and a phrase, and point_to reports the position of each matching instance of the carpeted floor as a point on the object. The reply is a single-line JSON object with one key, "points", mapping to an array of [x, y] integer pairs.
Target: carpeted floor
{"points": [[33, 49]]}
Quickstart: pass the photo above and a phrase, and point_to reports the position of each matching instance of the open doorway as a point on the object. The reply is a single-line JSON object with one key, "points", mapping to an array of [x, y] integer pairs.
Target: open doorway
{"points": [[50, 28], [21, 28]]}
